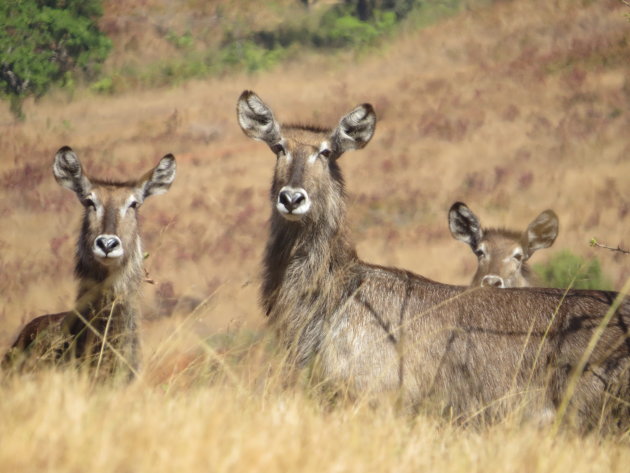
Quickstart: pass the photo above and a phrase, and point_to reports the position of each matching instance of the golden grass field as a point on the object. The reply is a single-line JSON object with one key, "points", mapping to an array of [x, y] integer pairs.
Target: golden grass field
{"points": [[513, 109]]}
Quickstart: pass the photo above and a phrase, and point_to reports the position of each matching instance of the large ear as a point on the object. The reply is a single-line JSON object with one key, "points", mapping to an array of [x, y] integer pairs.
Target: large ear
{"points": [[541, 233], [69, 173], [159, 179], [464, 225], [355, 129], [256, 119]]}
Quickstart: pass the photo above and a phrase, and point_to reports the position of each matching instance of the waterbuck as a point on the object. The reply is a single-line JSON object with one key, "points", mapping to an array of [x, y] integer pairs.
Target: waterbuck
{"points": [[371, 330], [102, 330], [502, 255]]}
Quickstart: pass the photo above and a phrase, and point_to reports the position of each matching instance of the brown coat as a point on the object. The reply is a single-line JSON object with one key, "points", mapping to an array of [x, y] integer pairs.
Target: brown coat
{"points": [[372, 329], [101, 331]]}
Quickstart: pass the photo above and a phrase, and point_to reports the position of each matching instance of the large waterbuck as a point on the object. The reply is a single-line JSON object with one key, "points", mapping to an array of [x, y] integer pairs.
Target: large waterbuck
{"points": [[370, 329], [101, 331], [502, 254]]}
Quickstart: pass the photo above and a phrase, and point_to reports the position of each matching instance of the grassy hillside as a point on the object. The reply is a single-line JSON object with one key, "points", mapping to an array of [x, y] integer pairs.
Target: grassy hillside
{"points": [[512, 108]]}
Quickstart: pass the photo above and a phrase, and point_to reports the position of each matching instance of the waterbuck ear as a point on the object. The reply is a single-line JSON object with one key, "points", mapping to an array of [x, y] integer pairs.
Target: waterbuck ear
{"points": [[256, 119], [69, 173], [464, 225], [355, 129], [541, 233], [159, 179]]}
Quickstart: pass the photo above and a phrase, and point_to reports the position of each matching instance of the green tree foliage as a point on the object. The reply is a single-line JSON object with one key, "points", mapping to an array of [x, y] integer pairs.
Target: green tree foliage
{"points": [[351, 23], [42, 42], [566, 269], [365, 9]]}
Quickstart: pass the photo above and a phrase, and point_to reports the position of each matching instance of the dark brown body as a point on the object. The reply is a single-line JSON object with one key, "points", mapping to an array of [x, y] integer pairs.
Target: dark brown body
{"points": [[372, 330], [101, 331], [36, 327]]}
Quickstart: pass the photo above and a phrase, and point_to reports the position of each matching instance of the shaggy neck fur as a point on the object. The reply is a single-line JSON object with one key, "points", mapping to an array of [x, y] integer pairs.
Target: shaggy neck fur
{"points": [[108, 298], [303, 266]]}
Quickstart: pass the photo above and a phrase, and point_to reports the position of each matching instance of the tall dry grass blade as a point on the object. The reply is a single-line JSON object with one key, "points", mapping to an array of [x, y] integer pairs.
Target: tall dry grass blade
{"points": [[231, 375], [551, 321], [162, 350], [579, 368], [109, 345], [102, 350]]}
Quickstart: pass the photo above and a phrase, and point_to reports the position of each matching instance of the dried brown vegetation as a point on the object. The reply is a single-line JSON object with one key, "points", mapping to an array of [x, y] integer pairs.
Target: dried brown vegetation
{"points": [[514, 108]]}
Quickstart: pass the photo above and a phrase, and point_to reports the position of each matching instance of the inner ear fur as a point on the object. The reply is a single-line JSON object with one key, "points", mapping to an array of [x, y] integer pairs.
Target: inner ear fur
{"points": [[464, 225], [69, 173], [541, 232], [355, 129], [256, 118], [160, 178]]}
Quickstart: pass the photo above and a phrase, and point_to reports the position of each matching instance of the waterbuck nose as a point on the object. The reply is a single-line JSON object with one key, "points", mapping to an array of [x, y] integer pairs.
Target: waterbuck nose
{"points": [[108, 243], [492, 280], [291, 199]]}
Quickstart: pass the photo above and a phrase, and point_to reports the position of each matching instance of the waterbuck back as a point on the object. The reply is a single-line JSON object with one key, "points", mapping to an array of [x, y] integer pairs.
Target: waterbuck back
{"points": [[502, 255], [371, 330], [101, 331]]}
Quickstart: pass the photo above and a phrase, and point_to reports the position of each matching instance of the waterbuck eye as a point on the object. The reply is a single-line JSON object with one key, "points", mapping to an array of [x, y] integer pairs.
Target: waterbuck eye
{"points": [[88, 202], [278, 148], [325, 153], [518, 256], [133, 204], [479, 252]]}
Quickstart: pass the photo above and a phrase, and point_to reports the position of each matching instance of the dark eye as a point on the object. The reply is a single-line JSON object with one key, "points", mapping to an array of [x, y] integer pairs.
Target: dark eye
{"points": [[278, 148], [88, 202], [133, 205], [518, 256], [479, 252], [325, 153]]}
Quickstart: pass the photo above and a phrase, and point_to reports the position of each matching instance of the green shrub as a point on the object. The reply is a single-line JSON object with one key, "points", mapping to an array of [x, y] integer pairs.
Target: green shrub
{"points": [[250, 55], [566, 269], [43, 41], [184, 41], [339, 26], [339, 31], [104, 86], [428, 13]]}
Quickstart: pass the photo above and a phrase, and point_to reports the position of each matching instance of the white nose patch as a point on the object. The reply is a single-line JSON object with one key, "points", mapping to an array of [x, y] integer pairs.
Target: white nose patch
{"points": [[107, 247], [492, 280], [293, 203]]}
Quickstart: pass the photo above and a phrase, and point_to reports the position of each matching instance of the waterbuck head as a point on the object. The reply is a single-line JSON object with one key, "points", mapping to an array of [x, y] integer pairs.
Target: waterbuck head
{"points": [[109, 234], [502, 254], [307, 183]]}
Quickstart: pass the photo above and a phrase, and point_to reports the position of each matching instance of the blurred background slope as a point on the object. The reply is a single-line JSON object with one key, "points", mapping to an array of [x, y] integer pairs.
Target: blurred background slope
{"points": [[510, 106]]}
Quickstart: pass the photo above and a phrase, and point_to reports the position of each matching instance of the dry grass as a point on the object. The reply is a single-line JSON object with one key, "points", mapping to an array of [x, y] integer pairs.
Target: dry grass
{"points": [[512, 109], [217, 429], [236, 416]]}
